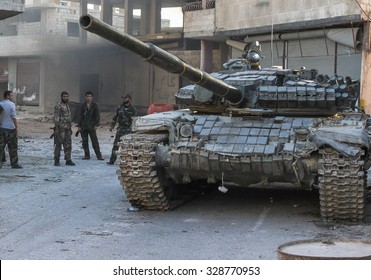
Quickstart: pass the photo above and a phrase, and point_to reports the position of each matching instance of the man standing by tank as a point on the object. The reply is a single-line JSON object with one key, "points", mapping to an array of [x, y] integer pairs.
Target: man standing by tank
{"points": [[88, 124], [9, 129], [62, 130], [124, 118]]}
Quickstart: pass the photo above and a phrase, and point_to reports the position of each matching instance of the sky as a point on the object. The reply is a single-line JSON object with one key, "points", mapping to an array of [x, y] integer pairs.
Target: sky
{"points": [[174, 14]]}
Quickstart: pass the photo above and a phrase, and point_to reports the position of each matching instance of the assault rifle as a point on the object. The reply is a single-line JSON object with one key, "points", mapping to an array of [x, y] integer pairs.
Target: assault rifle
{"points": [[53, 134]]}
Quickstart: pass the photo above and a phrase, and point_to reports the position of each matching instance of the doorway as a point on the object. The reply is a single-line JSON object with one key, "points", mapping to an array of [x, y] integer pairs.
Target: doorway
{"points": [[89, 82]]}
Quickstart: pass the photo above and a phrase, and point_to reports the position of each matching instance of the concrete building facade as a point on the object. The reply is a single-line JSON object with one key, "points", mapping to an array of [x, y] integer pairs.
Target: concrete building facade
{"points": [[10, 8], [44, 52]]}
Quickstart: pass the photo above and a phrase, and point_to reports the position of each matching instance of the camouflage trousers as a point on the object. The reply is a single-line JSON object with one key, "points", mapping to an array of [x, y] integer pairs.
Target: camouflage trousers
{"points": [[63, 138], [85, 133], [3, 158], [9, 137], [120, 132]]}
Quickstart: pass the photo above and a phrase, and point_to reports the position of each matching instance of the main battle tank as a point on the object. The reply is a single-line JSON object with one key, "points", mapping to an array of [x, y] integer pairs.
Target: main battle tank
{"points": [[247, 126]]}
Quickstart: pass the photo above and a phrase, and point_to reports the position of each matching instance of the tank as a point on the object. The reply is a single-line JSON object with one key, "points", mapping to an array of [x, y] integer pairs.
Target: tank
{"points": [[247, 127]]}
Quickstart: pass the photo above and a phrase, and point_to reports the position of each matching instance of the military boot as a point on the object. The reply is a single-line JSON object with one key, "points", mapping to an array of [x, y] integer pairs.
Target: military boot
{"points": [[57, 163], [70, 162]]}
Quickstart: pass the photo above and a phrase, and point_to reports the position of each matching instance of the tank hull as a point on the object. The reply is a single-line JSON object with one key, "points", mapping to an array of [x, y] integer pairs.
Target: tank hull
{"points": [[243, 152], [328, 154], [247, 151]]}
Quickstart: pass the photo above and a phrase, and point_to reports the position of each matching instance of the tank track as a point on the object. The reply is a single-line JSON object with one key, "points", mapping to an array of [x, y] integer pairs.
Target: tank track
{"points": [[342, 186], [145, 184]]}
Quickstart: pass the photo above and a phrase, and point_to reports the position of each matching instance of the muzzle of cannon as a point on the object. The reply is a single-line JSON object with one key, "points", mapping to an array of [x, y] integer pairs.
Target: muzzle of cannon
{"points": [[162, 59]]}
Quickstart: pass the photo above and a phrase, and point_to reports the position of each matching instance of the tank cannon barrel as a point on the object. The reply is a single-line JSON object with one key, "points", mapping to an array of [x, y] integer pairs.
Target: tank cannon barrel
{"points": [[162, 59]]}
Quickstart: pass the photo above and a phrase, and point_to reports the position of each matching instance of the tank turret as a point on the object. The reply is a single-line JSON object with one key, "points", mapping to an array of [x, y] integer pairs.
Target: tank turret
{"points": [[243, 88]]}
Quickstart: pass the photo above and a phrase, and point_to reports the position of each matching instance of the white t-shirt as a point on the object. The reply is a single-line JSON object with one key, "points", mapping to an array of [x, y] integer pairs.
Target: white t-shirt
{"points": [[7, 116]]}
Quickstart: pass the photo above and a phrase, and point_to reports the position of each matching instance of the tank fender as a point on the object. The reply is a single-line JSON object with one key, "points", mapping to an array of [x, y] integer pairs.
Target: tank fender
{"points": [[164, 121], [342, 148], [344, 140]]}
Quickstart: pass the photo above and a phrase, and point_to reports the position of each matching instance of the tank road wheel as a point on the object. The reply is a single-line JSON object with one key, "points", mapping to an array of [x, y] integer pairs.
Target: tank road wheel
{"points": [[144, 183], [342, 186]]}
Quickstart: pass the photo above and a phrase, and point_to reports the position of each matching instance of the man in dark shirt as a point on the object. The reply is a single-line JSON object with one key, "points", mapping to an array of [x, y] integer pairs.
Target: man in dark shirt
{"points": [[88, 124]]}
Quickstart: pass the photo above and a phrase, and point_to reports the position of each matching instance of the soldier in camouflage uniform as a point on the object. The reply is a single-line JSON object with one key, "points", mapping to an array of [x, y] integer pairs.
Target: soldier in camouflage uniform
{"points": [[62, 130], [124, 118], [9, 129]]}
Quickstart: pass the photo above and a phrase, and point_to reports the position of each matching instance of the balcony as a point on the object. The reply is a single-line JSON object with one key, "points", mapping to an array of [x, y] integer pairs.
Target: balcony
{"points": [[196, 6], [199, 19], [10, 8]]}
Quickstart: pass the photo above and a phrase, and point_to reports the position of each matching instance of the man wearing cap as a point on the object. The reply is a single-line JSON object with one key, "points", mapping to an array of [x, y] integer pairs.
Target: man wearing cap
{"points": [[124, 118]]}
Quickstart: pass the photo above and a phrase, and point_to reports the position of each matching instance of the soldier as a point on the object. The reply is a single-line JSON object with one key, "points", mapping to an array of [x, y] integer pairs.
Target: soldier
{"points": [[62, 130], [124, 118], [9, 129], [88, 124]]}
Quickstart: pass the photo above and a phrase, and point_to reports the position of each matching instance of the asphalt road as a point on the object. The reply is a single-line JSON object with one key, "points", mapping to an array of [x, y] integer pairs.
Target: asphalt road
{"points": [[81, 212]]}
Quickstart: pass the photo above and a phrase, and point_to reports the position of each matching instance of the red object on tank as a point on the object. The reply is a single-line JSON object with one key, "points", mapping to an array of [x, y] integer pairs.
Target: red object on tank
{"points": [[158, 107]]}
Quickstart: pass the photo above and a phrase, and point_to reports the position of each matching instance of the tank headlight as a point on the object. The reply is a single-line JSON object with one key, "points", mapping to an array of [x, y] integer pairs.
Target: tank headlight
{"points": [[254, 56], [186, 130]]}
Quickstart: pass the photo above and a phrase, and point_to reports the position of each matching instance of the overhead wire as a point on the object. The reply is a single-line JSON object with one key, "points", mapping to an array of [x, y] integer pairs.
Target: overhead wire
{"points": [[359, 5]]}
